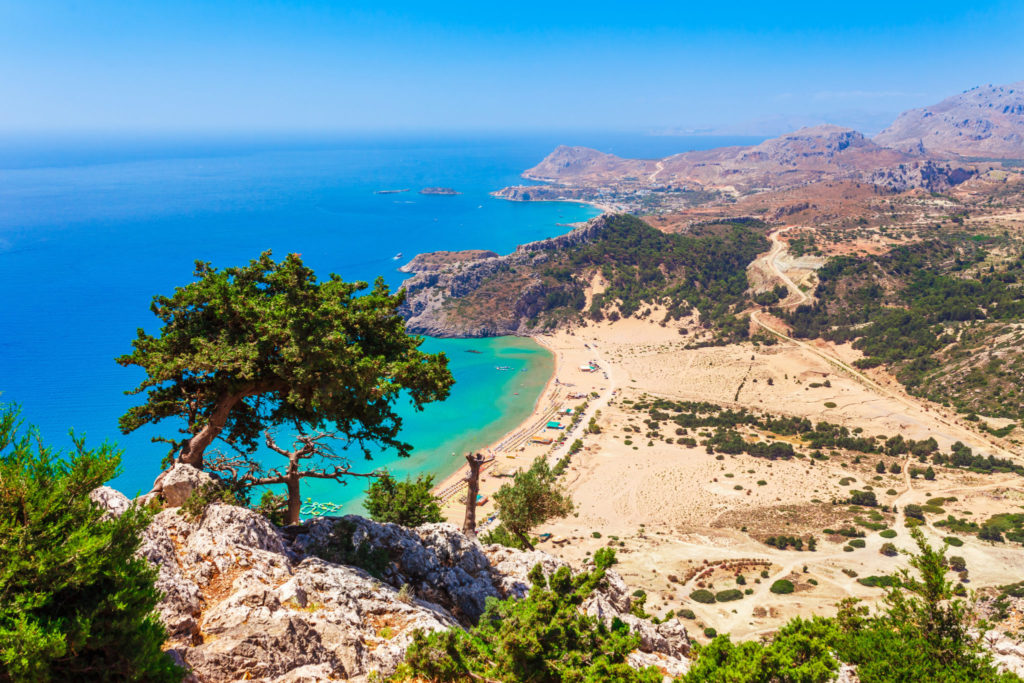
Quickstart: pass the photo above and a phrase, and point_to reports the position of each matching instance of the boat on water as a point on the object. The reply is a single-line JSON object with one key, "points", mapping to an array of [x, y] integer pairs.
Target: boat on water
{"points": [[391, 191], [473, 351], [396, 256], [502, 367]]}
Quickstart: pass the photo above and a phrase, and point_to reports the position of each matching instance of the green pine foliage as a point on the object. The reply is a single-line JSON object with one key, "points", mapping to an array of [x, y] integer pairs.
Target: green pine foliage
{"points": [[533, 497], [409, 503], [242, 350], [543, 638], [76, 604], [798, 653]]}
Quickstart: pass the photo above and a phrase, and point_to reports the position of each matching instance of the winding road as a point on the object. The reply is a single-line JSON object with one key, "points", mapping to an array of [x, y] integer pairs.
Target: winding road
{"points": [[799, 297]]}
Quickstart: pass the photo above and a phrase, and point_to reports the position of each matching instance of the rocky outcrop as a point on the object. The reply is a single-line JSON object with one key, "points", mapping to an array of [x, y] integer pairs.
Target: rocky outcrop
{"points": [[432, 296], [111, 500], [244, 600], [438, 260], [926, 175], [174, 485], [567, 162], [987, 121], [1008, 654]]}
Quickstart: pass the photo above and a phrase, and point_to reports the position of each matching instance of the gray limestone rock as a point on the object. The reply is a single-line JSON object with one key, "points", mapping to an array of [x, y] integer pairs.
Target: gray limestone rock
{"points": [[244, 600]]}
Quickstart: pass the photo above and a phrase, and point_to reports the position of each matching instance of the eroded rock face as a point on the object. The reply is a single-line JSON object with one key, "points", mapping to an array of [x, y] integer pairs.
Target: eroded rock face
{"points": [[245, 601]]}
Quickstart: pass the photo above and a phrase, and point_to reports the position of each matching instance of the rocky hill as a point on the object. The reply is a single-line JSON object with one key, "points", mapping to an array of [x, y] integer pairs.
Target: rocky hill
{"points": [[337, 598], [489, 296], [549, 283], [806, 156], [987, 121]]}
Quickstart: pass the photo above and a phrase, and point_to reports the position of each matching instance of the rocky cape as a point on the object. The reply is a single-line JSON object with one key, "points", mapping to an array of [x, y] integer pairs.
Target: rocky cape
{"points": [[437, 299], [806, 156], [245, 600]]}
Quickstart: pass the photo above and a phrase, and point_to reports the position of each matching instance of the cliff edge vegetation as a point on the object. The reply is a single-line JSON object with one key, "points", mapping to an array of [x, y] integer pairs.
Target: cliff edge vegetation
{"points": [[614, 266]]}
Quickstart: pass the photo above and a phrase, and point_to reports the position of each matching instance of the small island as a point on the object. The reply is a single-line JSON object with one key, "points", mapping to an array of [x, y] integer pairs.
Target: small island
{"points": [[391, 191], [439, 190]]}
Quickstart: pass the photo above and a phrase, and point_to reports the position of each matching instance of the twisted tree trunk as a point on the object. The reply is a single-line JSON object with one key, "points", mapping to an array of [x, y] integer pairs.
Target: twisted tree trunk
{"points": [[192, 450], [475, 461]]}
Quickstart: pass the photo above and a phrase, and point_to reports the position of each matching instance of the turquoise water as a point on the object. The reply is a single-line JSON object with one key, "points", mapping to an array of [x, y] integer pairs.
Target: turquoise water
{"points": [[91, 229]]}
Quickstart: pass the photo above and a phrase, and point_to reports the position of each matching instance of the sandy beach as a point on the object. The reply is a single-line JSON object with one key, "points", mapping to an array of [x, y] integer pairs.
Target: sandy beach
{"points": [[672, 510], [568, 388]]}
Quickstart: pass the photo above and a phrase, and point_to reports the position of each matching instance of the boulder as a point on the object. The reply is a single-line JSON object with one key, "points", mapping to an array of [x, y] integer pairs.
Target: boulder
{"points": [[111, 500], [176, 484]]}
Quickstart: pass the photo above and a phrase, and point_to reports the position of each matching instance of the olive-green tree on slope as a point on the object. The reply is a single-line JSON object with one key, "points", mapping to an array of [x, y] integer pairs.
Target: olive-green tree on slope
{"points": [[533, 497], [245, 349], [76, 603]]}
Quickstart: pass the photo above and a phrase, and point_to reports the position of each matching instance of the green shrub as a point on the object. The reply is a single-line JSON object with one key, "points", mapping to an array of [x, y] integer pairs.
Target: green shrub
{"points": [[687, 614], [877, 581], [710, 632], [408, 503], [339, 547], [76, 602], [857, 542], [888, 533], [728, 595], [782, 587], [565, 644], [204, 496], [953, 541], [703, 596]]}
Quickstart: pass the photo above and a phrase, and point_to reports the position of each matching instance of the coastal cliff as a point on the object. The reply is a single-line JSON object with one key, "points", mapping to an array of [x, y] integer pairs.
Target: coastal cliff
{"points": [[615, 265], [438, 260], [441, 300], [339, 598]]}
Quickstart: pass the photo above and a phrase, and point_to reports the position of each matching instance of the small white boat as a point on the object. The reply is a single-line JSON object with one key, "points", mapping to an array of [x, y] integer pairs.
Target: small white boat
{"points": [[396, 256]]}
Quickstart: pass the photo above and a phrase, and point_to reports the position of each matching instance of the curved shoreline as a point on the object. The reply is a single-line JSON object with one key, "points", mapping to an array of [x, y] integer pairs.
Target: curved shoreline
{"points": [[496, 448]]}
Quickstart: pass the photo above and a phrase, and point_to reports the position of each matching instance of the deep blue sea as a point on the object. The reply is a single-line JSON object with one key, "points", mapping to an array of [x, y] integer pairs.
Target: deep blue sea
{"points": [[91, 228]]}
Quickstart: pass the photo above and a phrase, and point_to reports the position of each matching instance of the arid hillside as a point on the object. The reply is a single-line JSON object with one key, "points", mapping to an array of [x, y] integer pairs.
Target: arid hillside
{"points": [[987, 121]]}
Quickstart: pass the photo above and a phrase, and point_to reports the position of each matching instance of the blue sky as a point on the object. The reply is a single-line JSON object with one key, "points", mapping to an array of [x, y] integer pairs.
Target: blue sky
{"points": [[140, 65]]}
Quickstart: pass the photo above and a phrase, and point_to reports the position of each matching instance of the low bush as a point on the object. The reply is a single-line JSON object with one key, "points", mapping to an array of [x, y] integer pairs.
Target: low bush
{"points": [[702, 596], [877, 581], [728, 595], [782, 587]]}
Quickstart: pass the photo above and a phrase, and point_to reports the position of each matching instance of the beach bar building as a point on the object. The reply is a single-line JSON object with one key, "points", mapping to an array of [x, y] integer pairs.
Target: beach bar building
{"points": [[554, 424]]}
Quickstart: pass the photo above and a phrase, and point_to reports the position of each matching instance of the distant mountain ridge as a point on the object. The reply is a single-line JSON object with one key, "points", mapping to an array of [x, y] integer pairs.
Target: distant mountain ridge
{"points": [[924, 148], [808, 155], [986, 121]]}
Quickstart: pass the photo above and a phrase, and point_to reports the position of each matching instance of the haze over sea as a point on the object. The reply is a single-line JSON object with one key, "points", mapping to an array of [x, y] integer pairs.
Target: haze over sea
{"points": [[92, 228]]}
